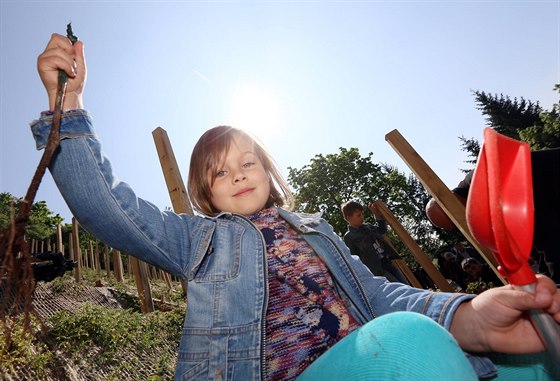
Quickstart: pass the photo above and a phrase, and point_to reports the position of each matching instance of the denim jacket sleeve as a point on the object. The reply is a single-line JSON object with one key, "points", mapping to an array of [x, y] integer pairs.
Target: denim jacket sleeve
{"points": [[108, 208]]}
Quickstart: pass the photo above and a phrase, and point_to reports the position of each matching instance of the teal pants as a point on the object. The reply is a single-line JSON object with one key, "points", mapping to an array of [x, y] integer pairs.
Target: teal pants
{"points": [[410, 346]]}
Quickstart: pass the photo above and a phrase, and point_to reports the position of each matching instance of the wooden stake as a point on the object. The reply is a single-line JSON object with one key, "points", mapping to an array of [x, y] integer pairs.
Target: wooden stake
{"points": [[420, 256], [118, 266], [86, 259], [77, 251], [173, 179], [92, 259], [70, 248], [97, 258], [401, 264], [167, 279], [403, 267], [441, 193], [171, 172], [142, 284], [59, 245], [106, 260]]}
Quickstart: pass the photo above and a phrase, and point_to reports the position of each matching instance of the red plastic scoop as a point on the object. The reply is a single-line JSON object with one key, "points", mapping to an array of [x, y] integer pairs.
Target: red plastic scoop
{"points": [[500, 211], [500, 215]]}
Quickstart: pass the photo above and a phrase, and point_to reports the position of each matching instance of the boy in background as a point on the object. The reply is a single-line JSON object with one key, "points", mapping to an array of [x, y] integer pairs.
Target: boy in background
{"points": [[366, 241]]}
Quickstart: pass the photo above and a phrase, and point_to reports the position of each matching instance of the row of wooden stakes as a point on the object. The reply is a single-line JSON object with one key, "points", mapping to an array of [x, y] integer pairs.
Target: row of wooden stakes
{"points": [[92, 259]]}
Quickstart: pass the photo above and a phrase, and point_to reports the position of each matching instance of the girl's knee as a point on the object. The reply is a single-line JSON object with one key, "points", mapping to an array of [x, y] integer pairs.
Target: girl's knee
{"points": [[410, 325], [397, 346]]}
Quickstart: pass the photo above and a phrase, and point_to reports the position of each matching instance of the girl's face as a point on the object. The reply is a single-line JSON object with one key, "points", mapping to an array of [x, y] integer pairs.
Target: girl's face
{"points": [[241, 184]]}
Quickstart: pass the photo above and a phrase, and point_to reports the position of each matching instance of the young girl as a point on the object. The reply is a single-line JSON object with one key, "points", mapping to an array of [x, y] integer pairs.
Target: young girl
{"points": [[272, 294]]}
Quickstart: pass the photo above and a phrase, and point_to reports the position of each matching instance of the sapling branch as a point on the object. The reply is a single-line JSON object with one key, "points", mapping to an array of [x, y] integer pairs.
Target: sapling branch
{"points": [[16, 276]]}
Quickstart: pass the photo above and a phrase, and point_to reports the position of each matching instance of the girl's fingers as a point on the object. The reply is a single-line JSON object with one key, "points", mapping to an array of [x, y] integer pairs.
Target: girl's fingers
{"points": [[60, 41], [59, 54], [79, 58], [55, 62]]}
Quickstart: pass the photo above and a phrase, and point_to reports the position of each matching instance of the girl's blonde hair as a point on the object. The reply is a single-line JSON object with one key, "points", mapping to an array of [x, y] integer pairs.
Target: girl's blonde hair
{"points": [[207, 156]]}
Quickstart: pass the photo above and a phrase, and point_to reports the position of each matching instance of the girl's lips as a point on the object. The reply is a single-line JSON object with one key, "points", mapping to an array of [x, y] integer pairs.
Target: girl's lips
{"points": [[243, 192]]}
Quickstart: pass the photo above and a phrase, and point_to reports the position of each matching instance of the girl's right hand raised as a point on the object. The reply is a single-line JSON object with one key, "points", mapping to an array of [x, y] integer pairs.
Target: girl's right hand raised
{"points": [[60, 54]]}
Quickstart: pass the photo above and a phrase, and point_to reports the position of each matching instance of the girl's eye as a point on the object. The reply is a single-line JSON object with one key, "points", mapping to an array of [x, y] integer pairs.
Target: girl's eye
{"points": [[220, 173], [248, 164]]}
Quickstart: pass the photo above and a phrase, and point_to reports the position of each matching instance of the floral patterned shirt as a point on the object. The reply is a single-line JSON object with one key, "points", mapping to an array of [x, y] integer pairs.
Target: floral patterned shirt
{"points": [[305, 314]]}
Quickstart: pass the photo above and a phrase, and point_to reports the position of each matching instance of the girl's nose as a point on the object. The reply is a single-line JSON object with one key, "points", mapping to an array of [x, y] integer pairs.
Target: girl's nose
{"points": [[239, 176]]}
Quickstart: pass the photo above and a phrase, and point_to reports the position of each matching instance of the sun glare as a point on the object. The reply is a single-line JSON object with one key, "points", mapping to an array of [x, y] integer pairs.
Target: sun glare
{"points": [[256, 110]]}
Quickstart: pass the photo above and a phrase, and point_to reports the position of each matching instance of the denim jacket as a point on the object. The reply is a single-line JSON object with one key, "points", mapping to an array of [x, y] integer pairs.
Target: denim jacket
{"points": [[222, 258]]}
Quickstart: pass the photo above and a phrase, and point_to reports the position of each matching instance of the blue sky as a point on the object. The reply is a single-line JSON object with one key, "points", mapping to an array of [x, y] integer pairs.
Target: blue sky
{"points": [[307, 77]]}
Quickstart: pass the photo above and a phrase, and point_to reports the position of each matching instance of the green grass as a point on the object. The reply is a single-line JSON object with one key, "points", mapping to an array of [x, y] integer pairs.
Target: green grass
{"points": [[124, 343]]}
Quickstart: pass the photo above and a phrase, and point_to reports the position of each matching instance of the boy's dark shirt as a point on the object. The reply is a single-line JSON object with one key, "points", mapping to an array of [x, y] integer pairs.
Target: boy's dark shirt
{"points": [[361, 241]]}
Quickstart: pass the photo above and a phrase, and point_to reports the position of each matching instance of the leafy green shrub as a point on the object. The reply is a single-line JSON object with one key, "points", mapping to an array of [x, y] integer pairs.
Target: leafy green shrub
{"points": [[22, 348], [478, 287], [115, 331], [62, 283]]}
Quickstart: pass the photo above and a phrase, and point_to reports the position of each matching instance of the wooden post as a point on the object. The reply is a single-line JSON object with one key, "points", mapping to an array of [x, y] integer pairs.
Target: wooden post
{"points": [[173, 179], [441, 193], [118, 266], [142, 284], [152, 272], [171, 172], [167, 278], [133, 261], [420, 256], [128, 270], [70, 248], [106, 260], [86, 259], [403, 267], [92, 258], [59, 245], [97, 258], [77, 251]]}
